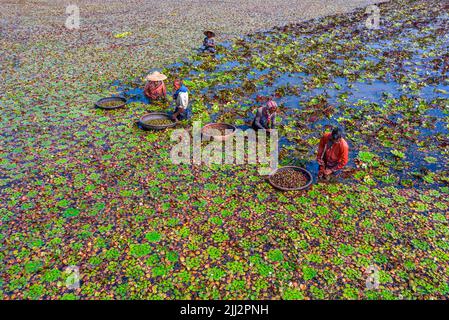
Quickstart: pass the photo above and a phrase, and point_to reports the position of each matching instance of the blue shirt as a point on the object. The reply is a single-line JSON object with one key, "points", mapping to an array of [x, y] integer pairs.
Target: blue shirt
{"points": [[182, 89]]}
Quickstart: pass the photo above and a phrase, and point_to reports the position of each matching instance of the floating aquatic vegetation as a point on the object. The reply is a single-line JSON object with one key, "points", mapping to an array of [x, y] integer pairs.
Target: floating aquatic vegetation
{"points": [[113, 103], [122, 35], [158, 122], [398, 154], [86, 187]]}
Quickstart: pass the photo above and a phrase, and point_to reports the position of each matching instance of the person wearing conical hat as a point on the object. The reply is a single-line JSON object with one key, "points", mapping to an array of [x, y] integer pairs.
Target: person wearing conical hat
{"points": [[265, 118], [209, 42], [155, 88]]}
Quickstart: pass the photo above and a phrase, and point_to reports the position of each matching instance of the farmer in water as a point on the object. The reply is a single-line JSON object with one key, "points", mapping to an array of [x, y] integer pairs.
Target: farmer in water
{"points": [[333, 153], [155, 88], [265, 118], [181, 97], [209, 42]]}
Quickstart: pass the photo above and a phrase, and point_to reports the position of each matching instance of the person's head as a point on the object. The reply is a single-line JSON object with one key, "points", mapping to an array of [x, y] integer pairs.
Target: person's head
{"points": [[272, 106], [337, 134], [209, 34], [177, 84]]}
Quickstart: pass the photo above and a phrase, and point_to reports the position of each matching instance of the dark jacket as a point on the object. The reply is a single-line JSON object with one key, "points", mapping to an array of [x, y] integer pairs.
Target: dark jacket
{"points": [[263, 120]]}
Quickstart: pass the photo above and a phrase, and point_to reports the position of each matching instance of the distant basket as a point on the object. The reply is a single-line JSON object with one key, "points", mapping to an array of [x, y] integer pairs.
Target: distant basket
{"points": [[111, 103]]}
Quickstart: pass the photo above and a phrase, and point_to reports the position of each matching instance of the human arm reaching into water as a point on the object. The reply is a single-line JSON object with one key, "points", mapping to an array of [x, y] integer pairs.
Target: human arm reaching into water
{"points": [[257, 123]]}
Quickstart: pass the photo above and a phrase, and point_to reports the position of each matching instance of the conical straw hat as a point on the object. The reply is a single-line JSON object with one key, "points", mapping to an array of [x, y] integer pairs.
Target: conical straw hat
{"points": [[206, 33], [156, 76]]}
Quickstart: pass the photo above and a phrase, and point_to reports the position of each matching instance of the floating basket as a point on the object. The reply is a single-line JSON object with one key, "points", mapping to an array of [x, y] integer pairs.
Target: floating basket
{"points": [[144, 122], [207, 135], [306, 174], [103, 103]]}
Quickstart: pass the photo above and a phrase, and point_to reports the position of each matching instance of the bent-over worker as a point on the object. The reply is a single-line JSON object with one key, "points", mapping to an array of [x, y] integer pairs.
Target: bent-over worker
{"points": [[265, 118], [155, 88], [333, 153]]}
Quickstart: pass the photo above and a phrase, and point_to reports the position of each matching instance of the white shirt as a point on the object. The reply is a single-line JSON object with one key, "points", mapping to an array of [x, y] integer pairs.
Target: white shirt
{"points": [[183, 100]]}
